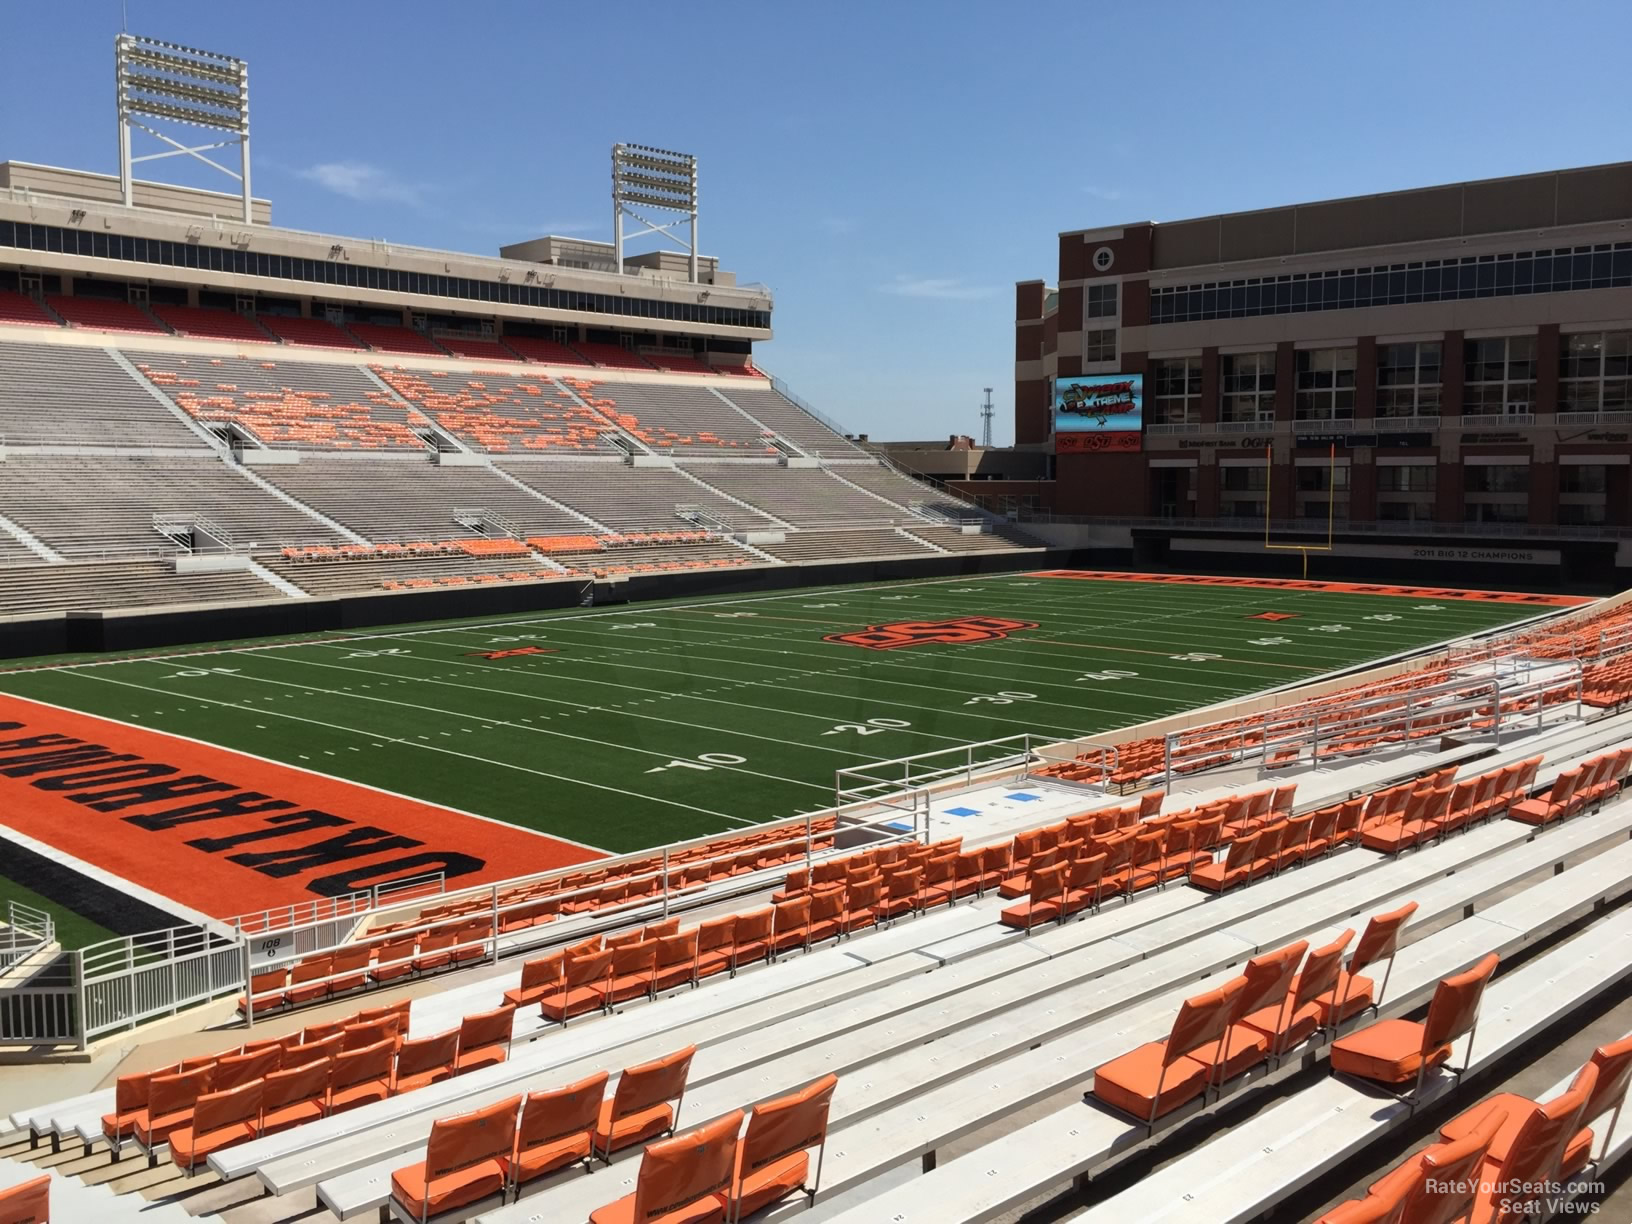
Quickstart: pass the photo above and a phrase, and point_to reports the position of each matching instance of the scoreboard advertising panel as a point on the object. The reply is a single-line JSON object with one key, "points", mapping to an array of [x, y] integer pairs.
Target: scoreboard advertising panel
{"points": [[1098, 412]]}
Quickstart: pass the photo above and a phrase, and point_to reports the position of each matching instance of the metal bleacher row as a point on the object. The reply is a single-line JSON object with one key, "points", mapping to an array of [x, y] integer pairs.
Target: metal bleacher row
{"points": [[265, 452], [943, 1026]]}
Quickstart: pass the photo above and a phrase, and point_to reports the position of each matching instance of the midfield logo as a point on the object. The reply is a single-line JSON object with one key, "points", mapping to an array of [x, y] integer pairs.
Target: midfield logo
{"points": [[962, 631], [508, 654]]}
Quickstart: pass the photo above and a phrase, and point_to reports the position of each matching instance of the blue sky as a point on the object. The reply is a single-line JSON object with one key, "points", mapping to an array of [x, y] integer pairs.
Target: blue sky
{"points": [[888, 169]]}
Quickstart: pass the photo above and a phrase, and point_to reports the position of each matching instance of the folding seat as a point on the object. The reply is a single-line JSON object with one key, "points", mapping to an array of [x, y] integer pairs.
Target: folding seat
{"points": [[715, 939], [1267, 854], [306, 1051], [1145, 862], [1084, 883], [399, 1009], [967, 873], [939, 883], [790, 926], [639, 1107], [825, 919], [130, 1095], [634, 971], [1493, 794], [1353, 992], [1291, 1021], [1436, 1186], [1150, 803], [902, 887], [1394, 1052], [538, 978], [434, 953], [27, 1202], [236, 1069], [1046, 902], [425, 1061], [624, 939], [349, 968], [683, 1180], [484, 1039], [170, 1100], [470, 941], [1459, 811], [1268, 987], [1295, 841], [394, 958], [584, 987], [751, 937], [1535, 1155], [829, 872], [594, 943], [861, 905], [308, 980], [773, 1157], [1158, 1077], [361, 1077], [557, 1129], [467, 1161], [1280, 803], [1393, 834], [1017, 882], [267, 988], [1232, 868], [1611, 1066], [1322, 831], [366, 1033], [220, 1119], [1553, 805]]}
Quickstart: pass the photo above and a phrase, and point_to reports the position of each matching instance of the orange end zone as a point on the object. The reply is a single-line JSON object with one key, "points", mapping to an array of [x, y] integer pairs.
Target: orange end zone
{"points": [[1347, 588], [224, 833]]}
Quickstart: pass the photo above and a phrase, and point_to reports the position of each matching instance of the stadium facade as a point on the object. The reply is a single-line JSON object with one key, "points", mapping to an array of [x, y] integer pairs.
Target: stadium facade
{"points": [[1452, 359]]}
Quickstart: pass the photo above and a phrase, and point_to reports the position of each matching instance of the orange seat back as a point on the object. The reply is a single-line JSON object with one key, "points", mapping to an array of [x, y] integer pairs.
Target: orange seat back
{"points": [[1614, 1063], [167, 1094], [588, 969], [1455, 1006], [716, 933], [1201, 1019], [356, 1036], [468, 1139], [1537, 1150], [544, 972], [238, 1069], [1320, 971], [487, 1028], [788, 1124], [427, 1054], [652, 1083], [1269, 978], [1451, 1174], [352, 1067], [677, 949], [1381, 938], [677, 1172], [217, 1110], [29, 1202], [547, 1117]]}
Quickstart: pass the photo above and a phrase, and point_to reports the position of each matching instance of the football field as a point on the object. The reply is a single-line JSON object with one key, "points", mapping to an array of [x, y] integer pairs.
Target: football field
{"points": [[632, 726]]}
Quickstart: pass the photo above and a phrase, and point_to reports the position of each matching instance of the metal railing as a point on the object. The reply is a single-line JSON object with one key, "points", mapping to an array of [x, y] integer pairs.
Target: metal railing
{"points": [[787, 393], [328, 909], [26, 931], [1254, 524]]}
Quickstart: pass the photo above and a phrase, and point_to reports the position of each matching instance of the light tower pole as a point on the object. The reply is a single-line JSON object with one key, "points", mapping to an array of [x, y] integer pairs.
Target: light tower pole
{"points": [[986, 411]]}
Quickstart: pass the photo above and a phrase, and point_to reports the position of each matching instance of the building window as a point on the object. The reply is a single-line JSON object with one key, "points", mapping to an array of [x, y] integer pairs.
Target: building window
{"points": [[1496, 512], [1497, 478], [1603, 266], [1099, 345], [1583, 514], [1100, 301], [1245, 479], [1404, 512], [1591, 478], [1595, 372], [1500, 374], [1247, 387], [1407, 478], [1322, 492], [1177, 399], [1325, 385], [1408, 379]]}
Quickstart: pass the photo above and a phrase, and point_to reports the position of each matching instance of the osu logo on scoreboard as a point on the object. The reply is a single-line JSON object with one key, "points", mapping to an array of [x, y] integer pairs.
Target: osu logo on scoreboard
{"points": [[962, 631]]}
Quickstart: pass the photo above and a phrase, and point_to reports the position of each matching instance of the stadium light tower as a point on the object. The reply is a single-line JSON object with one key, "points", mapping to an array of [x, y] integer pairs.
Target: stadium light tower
{"points": [[986, 411], [164, 83], [653, 178]]}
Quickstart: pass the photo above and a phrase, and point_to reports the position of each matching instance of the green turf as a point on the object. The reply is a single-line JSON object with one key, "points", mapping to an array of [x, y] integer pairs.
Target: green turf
{"points": [[598, 741], [73, 930]]}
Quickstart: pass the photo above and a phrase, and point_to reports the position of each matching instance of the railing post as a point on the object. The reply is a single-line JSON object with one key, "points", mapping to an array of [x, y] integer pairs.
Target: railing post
{"points": [[495, 924], [249, 981], [810, 839], [82, 1021], [1497, 683], [665, 881], [170, 955]]}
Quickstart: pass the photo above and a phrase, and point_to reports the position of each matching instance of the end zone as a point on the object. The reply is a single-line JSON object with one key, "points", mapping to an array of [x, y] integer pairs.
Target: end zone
{"points": [[221, 832], [1307, 584]]}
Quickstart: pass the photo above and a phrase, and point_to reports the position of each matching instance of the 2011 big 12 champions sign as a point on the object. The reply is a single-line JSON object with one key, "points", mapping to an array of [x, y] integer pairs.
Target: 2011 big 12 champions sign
{"points": [[1098, 412]]}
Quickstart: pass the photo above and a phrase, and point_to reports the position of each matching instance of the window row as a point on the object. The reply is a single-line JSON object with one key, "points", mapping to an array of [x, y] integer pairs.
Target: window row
{"points": [[1498, 373], [1603, 266], [103, 245]]}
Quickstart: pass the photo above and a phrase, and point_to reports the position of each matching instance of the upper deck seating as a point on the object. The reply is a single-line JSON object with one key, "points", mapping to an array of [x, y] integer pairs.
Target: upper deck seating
{"points": [[499, 411], [903, 490], [17, 309], [841, 545], [545, 352], [58, 394], [804, 497], [210, 324], [681, 420], [613, 357], [90, 504], [313, 333], [629, 498], [476, 348], [307, 405], [390, 339], [402, 499], [776, 411], [673, 361], [104, 314]]}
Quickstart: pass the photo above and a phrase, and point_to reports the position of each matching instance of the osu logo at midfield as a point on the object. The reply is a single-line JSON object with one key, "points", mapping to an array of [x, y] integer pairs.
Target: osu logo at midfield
{"points": [[958, 632]]}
